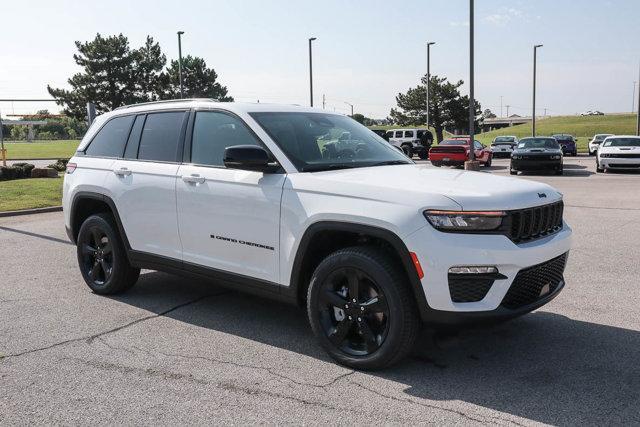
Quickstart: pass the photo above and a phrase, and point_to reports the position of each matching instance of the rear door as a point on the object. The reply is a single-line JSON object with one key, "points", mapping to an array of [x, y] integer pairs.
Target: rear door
{"points": [[229, 219], [144, 181]]}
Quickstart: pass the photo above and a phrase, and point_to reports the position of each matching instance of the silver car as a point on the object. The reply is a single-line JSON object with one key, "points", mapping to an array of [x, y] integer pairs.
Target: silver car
{"points": [[503, 145]]}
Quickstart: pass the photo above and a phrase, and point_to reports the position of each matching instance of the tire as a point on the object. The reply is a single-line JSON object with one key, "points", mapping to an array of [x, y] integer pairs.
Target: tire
{"points": [[598, 168], [512, 172], [424, 155], [436, 164], [408, 150], [488, 163], [102, 257], [559, 171], [383, 335]]}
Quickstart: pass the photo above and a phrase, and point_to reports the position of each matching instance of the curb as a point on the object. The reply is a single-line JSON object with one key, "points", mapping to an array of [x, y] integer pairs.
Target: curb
{"points": [[31, 211], [35, 158]]}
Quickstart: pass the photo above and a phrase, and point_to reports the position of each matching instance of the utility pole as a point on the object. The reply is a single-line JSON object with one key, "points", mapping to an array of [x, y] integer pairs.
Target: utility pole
{"points": [[633, 98], [428, 77], [3, 152], [533, 116], [507, 109], [471, 164], [311, 72], [545, 112], [324, 101], [350, 105], [638, 109], [180, 33], [501, 107]]}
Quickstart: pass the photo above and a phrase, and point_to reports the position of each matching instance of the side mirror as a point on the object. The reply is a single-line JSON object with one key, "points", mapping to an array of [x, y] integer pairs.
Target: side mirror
{"points": [[249, 157]]}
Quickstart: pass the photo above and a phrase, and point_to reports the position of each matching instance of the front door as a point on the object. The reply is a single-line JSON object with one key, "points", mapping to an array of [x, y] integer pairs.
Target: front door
{"points": [[228, 219]]}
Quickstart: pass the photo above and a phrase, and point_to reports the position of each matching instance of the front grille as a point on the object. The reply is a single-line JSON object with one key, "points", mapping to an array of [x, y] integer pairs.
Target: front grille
{"points": [[532, 223], [623, 165], [623, 156], [531, 283], [538, 157], [468, 288]]}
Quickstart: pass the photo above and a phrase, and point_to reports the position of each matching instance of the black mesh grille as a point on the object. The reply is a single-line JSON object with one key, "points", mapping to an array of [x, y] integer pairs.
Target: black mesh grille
{"points": [[528, 224], [624, 156], [466, 288], [530, 283]]}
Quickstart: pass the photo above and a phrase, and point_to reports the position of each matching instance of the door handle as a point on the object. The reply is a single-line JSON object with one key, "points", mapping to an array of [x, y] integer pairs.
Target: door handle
{"points": [[122, 172], [193, 179]]}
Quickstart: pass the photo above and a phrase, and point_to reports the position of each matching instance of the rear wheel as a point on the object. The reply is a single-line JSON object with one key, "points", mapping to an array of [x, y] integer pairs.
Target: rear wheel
{"points": [[360, 308], [424, 155], [436, 164], [512, 172], [102, 256]]}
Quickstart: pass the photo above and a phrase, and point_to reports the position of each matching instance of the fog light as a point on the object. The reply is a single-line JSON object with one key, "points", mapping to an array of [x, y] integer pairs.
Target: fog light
{"points": [[473, 269]]}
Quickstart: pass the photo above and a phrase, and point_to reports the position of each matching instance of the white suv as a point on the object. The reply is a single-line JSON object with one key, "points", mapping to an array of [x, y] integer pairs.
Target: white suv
{"points": [[271, 200]]}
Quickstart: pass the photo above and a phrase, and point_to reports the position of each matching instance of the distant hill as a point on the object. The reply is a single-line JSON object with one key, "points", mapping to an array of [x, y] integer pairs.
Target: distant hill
{"points": [[582, 127]]}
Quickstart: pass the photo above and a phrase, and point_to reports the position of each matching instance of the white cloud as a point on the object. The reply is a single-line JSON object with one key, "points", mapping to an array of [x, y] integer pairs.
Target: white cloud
{"points": [[459, 23], [504, 16]]}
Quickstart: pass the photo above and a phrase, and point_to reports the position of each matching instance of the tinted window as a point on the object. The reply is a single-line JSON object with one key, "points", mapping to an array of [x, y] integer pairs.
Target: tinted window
{"points": [[160, 136], [539, 143], [408, 134], [398, 134], [110, 140], [622, 142], [131, 152], [455, 142], [215, 131]]}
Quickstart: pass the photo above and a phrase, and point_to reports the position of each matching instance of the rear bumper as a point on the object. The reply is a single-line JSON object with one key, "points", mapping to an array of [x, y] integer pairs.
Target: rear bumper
{"points": [[448, 159]]}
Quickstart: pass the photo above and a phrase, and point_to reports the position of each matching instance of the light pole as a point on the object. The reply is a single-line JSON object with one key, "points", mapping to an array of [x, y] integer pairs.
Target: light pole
{"points": [[471, 164], [533, 116], [638, 109], [501, 107], [350, 105], [180, 33], [311, 72], [633, 98], [428, 76]]}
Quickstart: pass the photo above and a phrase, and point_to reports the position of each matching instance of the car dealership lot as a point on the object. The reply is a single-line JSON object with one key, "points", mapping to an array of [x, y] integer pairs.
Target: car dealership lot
{"points": [[174, 350]]}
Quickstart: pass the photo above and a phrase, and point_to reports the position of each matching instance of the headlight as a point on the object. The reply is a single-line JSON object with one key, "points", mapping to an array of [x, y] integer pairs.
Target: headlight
{"points": [[465, 221], [556, 157], [517, 157], [605, 155]]}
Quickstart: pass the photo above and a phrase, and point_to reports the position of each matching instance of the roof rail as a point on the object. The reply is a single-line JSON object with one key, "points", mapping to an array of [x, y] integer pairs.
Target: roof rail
{"points": [[166, 101]]}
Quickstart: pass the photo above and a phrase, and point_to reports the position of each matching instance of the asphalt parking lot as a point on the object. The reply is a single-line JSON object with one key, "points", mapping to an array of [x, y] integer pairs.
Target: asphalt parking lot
{"points": [[178, 351]]}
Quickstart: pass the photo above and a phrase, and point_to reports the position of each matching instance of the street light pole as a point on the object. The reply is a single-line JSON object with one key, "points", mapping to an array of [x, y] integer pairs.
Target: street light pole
{"points": [[311, 73], [633, 98], [350, 105], [428, 77], [533, 116], [638, 109], [472, 104], [180, 33]]}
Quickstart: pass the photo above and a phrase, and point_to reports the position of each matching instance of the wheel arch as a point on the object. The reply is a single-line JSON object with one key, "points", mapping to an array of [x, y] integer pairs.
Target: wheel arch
{"points": [[85, 204], [313, 248]]}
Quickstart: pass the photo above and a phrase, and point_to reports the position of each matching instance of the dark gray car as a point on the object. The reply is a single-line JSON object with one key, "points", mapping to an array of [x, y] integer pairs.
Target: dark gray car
{"points": [[536, 154]]}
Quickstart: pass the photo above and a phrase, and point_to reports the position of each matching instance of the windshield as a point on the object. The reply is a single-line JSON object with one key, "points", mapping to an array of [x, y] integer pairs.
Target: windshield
{"points": [[538, 143], [455, 142], [563, 138], [504, 139], [622, 142], [601, 137], [318, 141]]}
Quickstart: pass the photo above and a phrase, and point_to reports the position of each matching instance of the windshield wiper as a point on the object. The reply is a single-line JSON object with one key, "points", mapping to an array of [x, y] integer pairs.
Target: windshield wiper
{"points": [[330, 166], [392, 162]]}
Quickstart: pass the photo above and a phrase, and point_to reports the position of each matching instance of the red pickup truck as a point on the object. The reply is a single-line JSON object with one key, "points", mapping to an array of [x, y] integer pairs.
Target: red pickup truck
{"points": [[455, 151]]}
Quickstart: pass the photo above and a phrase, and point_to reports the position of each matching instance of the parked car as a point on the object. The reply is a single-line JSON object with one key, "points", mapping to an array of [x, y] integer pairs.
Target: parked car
{"points": [[537, 154], [596, 141], [503, 145], [242, 194], [568, 144], [592, 113], [618, 152], [412, 141], [455, 151], [382, 133]]}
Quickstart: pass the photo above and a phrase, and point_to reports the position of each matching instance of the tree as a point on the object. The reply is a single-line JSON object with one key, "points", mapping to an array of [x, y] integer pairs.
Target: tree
{"points": [[149, 62], [447, 108], [198, 81], [488, 114], [107, 80]]}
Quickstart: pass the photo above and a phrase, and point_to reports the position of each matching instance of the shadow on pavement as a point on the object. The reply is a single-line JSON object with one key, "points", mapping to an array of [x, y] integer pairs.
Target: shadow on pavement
{"points": [[543, 367]]}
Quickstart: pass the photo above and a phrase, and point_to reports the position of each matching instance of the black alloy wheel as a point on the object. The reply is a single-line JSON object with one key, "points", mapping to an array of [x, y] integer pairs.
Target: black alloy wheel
{"points": [[97, 256], [102, 257], [353, 311]]}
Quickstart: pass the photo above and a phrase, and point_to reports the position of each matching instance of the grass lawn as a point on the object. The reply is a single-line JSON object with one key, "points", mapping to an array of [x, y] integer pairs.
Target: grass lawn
{"points": [[30, 193], [41, 149], [583, 128]]}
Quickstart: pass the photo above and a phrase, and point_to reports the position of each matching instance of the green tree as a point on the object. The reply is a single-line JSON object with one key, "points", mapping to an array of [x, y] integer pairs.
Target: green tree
{"points": [[447, 107], [198, 81], [149, 62], [108, 77]]}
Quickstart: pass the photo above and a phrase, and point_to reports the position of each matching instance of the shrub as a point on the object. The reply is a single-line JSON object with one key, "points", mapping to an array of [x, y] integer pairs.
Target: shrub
{"points": [[60, 165], [16, 171], [44, 173]]}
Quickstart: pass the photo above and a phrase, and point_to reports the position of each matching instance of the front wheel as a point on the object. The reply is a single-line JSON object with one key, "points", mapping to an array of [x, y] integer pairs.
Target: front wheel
{"points": [[361, 310], [512, 172], [424, 155], [408, 150], [488, 163], [102, 258]]}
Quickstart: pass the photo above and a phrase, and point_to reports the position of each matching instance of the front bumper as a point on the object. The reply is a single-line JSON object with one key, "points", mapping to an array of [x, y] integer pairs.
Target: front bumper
{"points": [[569, 149], [619, 163], [538, 164], [437, 252]]}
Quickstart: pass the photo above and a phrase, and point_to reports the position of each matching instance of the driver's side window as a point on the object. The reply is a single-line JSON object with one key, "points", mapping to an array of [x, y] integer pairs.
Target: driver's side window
{"points": [[213, 131]]}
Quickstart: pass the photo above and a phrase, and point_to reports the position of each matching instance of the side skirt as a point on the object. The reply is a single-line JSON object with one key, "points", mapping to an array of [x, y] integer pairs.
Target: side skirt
{"points": [[231, 281]]}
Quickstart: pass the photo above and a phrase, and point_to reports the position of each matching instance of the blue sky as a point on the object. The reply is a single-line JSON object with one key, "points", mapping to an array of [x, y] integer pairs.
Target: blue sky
{"points": [[366, 52]]}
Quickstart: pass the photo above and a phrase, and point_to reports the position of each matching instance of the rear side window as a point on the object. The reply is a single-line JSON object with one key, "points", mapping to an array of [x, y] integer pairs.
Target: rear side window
{"points": [[161, 136], [110, 140], [398, 134], [408, 134], [131, 152], [213, 132]]}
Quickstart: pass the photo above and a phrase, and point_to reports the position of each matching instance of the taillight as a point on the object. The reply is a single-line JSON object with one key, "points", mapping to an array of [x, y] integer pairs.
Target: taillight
{"points": [[71, 167]]}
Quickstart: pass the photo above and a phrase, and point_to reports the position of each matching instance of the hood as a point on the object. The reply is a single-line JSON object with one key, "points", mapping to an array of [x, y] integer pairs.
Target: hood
{"points": [[537, 150], [424, 188]]}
